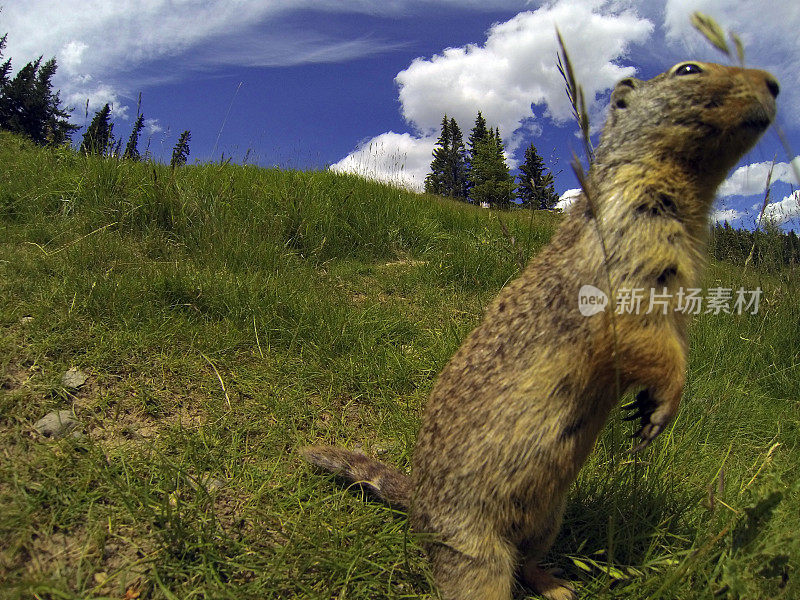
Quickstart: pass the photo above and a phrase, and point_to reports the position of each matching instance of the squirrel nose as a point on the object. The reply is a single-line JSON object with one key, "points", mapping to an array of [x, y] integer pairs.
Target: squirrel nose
{"points": [[772, 86]]}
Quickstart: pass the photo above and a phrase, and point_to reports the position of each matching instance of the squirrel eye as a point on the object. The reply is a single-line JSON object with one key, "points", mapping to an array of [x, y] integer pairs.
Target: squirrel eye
{"points": [[688, 69]]}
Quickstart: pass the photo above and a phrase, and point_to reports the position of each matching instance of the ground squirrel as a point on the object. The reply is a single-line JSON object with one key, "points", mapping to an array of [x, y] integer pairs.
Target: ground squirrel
{"points": [[514, 414]]}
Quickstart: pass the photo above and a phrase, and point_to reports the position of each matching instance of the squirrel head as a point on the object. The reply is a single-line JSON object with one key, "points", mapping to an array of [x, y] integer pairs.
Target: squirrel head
{"points": [[700, 116]]}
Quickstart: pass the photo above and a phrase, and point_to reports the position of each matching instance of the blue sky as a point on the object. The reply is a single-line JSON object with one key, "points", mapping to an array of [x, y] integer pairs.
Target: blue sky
{"points": [[362, 85]]}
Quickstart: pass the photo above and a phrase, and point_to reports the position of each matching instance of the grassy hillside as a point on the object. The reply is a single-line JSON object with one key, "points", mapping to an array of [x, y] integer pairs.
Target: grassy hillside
{"points": [[226, 315]]}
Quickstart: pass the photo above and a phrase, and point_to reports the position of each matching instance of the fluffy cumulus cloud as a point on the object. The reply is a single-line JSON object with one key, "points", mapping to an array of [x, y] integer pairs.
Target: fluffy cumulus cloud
{"points": [[397, 158], [88, 96], [567, 198], [513, 74], [515, 68], [784, 211], [752, 179]]}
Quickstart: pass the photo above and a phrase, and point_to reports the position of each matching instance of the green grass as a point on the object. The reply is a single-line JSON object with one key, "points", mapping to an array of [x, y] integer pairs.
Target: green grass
{"points": [[228, 315]]}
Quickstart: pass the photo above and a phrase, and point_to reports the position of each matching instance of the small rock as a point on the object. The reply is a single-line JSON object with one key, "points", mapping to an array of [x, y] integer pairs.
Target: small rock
{"points": [[214, 485], [56, 424], [210, 483], [26, 319], [74, 378]]}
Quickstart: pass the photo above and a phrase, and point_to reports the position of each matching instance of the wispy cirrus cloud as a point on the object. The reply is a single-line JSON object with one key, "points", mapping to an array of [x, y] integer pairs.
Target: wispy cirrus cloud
{"points": [[103, 47]]}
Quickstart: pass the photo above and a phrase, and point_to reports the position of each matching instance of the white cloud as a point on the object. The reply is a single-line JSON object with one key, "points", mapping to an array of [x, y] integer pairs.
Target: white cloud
{"points": [[287, 48], [752, 179], [729, 215], [71, 55], [103, 36], [87, 96], [567, 198], [397, 158], [514, 69], [107, 41], [785, 210], [152, 126]]}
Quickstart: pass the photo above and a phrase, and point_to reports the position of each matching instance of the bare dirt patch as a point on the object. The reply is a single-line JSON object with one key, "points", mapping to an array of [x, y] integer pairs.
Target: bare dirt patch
{"points": [[14, 377]]}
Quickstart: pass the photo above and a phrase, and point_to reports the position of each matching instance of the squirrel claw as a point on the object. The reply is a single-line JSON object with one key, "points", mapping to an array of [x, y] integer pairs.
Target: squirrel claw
{"points": [[648, 433], [645, 406]]}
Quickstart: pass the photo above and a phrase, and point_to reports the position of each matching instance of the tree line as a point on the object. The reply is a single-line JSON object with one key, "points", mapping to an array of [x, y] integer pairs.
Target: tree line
{"points": [[768, 247], [478, 172], [30, 107]]}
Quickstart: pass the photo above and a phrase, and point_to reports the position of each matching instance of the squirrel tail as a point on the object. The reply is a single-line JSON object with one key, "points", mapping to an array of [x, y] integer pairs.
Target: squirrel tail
{"points": [[387, 483]]}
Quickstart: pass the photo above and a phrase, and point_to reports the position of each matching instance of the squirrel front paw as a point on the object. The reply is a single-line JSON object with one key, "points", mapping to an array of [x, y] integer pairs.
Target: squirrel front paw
{"points": [[653, 417]]}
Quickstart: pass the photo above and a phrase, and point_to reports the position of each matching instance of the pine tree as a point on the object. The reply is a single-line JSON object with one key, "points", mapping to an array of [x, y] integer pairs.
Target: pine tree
{"points": [[794, 248], [28, 105], [180, 153], [535, 188], [478, 134], [99, 137], [490, 179], [17, 96], [456, 164], [131, 148], [57, 128], [5, 68], [435, 181], [116, 149], [448, 176]]}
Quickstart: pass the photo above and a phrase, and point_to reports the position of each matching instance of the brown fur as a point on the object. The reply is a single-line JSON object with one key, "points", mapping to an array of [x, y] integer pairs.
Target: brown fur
{"points": [[514, 414]]}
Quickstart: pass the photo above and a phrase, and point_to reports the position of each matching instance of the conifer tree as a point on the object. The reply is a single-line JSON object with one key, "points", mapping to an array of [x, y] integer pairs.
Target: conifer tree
{"points": [[448, 176], [478, 134], [17, 99], [27, 104], [435, 181], [535, 188], [180, 153], [131, 148], [57, 126], [490, 179], [5, 68], [794, 247], [99, 137], [457, 164]]}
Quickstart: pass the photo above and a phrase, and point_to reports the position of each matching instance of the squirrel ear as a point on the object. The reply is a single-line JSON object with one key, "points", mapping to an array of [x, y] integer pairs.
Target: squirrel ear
{"points": [[619, 97]]}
